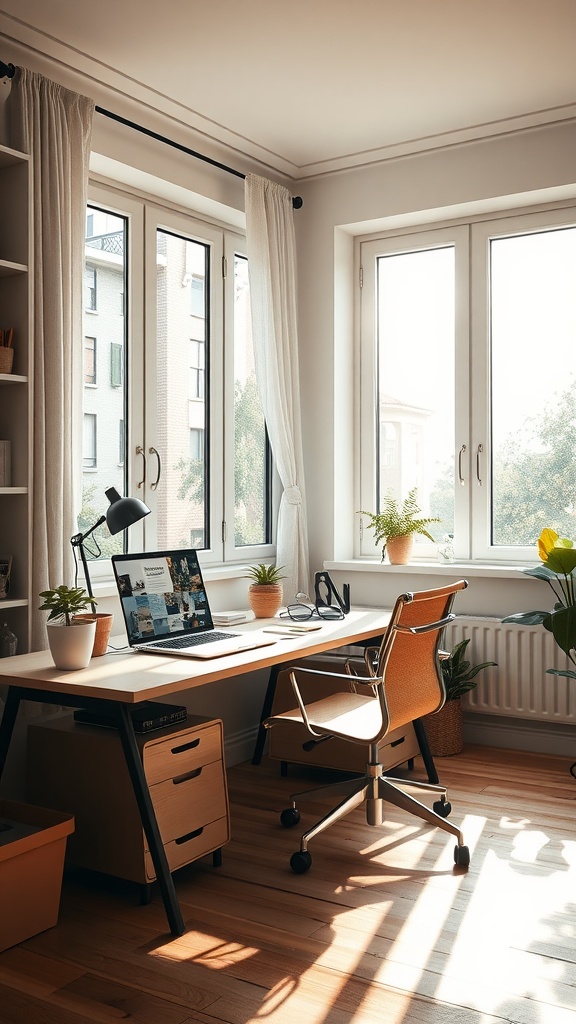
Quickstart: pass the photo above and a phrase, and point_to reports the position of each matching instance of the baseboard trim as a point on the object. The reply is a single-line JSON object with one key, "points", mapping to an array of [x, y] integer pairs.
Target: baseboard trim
{"points": [[519, 734]]}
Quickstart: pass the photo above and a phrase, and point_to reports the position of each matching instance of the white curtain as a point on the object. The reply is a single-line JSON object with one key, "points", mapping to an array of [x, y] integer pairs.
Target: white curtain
{"points": [[271, 249], [54, 126]]}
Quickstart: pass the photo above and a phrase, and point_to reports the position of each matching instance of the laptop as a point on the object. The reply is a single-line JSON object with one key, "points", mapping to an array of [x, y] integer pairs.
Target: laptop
{"points": [[166, 609]]}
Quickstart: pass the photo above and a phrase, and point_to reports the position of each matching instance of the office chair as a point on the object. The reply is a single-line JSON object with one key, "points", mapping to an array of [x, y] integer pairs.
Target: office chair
{"points": [[395, 683]]}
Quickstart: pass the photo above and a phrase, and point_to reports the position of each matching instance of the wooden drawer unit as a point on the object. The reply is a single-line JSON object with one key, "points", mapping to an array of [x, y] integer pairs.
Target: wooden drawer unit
{"points": [[81, 768], [287, 738]]}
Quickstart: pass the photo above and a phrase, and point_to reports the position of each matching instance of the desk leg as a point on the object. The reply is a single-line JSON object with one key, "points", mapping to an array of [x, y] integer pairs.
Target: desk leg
{"points": [[148, 816], [266, 712], [7, 724], [425, 750]]}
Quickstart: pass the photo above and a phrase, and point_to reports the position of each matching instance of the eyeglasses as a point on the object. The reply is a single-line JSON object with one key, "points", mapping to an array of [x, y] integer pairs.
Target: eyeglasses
{"points": [[301, 612]]}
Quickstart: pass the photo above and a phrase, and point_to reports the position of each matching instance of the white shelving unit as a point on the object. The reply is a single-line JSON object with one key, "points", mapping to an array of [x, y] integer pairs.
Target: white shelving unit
{"points": [[16, 388]]}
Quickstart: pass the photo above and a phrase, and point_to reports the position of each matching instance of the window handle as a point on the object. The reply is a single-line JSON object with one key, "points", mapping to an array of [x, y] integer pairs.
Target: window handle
{"points": [[479, 451], [140, 451], [154, 451], [460, 475]]}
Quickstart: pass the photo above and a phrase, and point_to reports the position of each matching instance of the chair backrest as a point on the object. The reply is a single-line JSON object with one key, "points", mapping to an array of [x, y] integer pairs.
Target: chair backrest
{"points": [[408, 663]]}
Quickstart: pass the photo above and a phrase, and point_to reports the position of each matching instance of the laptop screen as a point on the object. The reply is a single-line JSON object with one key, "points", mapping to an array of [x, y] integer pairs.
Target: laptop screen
{"points": [[162, 594]]}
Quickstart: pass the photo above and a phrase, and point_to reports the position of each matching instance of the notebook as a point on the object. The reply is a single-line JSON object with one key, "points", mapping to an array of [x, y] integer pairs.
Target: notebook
{"points": [[166, 609]]}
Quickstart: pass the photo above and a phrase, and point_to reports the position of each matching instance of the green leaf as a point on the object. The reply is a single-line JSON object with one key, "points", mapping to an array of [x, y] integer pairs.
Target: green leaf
{"points": [[568, 673], [562, 625], [527, 618], [562, 560]]}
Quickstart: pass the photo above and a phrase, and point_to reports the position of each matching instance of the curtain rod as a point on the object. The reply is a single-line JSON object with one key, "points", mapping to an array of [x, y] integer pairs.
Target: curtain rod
{"points": [[297, 201], [8, 71]]}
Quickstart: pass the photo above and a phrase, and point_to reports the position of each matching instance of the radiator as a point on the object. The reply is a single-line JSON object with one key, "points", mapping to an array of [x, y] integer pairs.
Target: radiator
{"points": [[519, 686]]}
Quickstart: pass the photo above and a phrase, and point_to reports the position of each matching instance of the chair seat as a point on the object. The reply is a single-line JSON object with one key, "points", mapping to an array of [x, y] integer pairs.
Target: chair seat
{"points": [[349, 715]]}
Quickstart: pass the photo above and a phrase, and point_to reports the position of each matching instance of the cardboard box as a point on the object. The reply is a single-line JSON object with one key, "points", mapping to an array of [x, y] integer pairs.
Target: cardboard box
{"points": [[32, 848]]}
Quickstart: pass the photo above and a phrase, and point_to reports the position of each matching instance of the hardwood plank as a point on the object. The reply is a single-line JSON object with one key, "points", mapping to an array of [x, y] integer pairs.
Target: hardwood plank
{"points": [[382, 929]]}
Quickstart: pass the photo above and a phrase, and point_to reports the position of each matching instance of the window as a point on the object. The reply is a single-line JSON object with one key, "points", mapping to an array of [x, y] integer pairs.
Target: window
{"points": [[477, 411], [196, 445], [116, 364], [182, 383], [90, 360], [196, 369], [89, 445], [90, 288]]}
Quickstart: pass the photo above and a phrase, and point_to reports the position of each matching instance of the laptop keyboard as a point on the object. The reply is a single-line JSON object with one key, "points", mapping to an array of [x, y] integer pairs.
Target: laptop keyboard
{"points": [[192, 641]]}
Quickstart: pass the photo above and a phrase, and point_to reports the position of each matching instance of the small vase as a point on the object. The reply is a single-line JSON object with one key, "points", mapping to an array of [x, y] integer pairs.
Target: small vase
{"points": [[399, 549], [103, 629], [71, 646], [444, 729], [265, 599]]}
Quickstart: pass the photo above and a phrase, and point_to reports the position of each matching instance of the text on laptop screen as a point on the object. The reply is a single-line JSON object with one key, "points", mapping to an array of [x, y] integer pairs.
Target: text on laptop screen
{"points": [[162, 594]]}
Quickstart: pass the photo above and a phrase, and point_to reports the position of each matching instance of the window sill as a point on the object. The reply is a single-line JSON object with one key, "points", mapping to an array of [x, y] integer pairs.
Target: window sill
{"points": [[458, 569]]}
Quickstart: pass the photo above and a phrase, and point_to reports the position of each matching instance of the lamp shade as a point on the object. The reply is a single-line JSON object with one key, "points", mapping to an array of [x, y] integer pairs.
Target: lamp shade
{"points": [[123, 512]]}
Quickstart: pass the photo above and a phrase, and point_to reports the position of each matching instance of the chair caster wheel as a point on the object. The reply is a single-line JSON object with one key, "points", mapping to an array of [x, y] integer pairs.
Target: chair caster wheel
{"points": [[442, 807], [462, 856], [290, 817], [300, 862]]}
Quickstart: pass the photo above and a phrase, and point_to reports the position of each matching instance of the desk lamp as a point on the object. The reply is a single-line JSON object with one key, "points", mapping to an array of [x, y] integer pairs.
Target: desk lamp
{"points": [[121, 514]]}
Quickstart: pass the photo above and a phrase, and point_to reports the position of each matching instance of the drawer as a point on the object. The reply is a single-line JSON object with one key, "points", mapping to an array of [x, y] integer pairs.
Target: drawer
{"points": [[183, 752], [186, 802], [191, 845]]}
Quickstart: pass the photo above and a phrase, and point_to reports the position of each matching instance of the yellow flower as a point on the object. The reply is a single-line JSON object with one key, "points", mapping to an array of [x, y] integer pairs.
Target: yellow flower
{"points": [[557, 553], [546, 543]]}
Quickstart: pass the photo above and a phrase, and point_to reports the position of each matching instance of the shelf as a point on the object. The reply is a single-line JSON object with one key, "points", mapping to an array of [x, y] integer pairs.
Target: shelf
{"points": [[13, 602], [12, 378], [9, 157], [13, 490], [8, 268]]}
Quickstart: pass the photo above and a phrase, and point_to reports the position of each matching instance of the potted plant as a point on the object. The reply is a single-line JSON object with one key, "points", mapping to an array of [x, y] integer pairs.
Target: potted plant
{"points": [[70, 640], [396, 525], [265, 590], [444, 727], [558, 570]]}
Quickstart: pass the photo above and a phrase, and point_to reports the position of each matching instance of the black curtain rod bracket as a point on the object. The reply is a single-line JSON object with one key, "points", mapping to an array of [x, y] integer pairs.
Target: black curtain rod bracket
{"points": [[7, 70]]}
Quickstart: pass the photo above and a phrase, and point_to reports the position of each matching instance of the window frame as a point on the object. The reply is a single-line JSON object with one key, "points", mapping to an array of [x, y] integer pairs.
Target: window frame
{"points": [[473, 502], [145, 214]]}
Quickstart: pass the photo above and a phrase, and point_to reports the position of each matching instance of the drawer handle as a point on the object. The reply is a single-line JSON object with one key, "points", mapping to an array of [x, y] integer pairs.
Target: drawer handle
{"points": [[189, 836], [187, 775], [397, 743], [185, 746]]}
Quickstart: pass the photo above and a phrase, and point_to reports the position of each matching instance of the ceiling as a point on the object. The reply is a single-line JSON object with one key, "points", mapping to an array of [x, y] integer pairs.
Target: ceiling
{"points": [[311, 86]]}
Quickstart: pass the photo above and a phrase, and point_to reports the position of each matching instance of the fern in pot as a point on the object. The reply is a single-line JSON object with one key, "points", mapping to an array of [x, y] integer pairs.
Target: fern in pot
{"points": [[397, 524], [70, 640]]}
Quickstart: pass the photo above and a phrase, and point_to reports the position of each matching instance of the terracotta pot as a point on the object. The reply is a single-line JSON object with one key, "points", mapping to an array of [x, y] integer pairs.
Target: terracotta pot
{"points": [[399, 549], [444, 729], [265, 599], [71, 646], [103, 629]]}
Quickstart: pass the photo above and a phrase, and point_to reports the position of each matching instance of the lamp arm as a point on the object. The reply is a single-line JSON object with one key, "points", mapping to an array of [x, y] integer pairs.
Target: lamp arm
{"points": [[79, 538], [77, 541]]}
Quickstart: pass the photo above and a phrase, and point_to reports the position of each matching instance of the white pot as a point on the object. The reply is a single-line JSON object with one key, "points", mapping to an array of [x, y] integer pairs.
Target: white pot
{"points": [[71, 646]]}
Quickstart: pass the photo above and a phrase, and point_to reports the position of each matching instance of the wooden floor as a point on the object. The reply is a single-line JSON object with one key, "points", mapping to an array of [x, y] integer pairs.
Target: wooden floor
{"points": [[382, 930]]}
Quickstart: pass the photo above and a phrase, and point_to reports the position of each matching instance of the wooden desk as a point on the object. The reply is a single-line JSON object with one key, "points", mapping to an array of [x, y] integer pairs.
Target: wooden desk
{"points": [[116, 681]]}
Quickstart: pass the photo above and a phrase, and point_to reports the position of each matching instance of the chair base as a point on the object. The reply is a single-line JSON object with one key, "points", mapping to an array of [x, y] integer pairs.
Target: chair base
{"points": [[374, 790]]}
